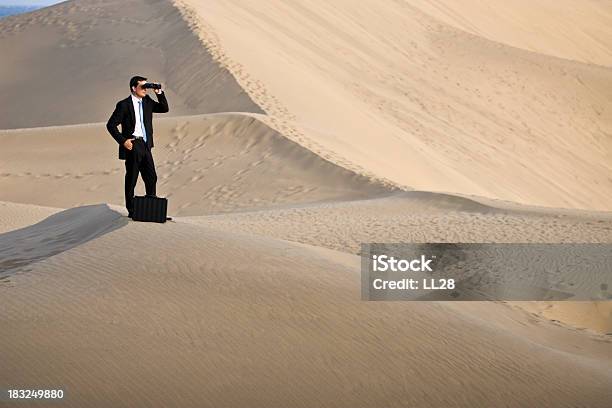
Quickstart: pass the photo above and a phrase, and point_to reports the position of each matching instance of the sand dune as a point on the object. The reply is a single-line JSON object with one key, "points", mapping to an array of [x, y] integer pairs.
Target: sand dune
{"points": [[285, 328], [57, 233], [431, 217], [410, 217], [205, 163], [569, 29], [439, 96], [596, 316], [297, 131], [70, 63], [409, 98], [15, 215]]}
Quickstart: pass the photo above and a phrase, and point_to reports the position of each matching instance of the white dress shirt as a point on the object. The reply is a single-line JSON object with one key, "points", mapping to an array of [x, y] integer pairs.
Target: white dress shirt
{"points": [[138, 126]]}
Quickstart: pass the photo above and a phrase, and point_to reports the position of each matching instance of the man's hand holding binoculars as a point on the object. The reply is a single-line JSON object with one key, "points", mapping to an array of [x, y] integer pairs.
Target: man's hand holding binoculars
{"points": [[157, 87]]}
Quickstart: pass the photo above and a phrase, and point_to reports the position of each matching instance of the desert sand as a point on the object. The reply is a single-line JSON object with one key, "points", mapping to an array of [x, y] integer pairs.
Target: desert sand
{"points": [[218, 314], [404, 96], [296, 131]]}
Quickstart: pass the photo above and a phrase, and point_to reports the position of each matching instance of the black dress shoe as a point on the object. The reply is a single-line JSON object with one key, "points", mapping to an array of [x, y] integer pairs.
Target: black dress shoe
{"points": [[130, 214], [168, 218]]}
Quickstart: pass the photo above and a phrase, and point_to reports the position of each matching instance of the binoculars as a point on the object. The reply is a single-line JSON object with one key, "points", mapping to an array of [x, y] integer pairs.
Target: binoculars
{"points": [[151, 85]]}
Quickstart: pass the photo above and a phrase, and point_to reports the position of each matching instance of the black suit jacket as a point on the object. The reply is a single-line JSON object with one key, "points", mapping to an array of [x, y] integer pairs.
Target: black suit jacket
{"points": [[125, 116]]}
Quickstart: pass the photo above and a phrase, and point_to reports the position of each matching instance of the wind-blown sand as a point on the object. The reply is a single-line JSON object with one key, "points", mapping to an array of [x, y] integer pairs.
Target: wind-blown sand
{"points": [[205, 163], [298, 130], [71, 55], [14, 215], [567, 29], [406, 97], [234, 319]]}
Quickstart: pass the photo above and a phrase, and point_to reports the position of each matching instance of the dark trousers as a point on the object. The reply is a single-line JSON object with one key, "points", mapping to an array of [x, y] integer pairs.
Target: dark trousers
{"points": [[139, 159]]}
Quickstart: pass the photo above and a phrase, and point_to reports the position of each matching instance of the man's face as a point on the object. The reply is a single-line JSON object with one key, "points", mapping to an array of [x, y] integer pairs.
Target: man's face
{"points": [[140, 91]]}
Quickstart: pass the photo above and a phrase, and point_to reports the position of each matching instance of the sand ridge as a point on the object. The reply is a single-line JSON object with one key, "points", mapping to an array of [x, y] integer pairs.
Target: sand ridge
{"points": [[16, 215], [564, 29], [450, 108], [297, 131], [205, 163], [90, 49], [56, 233], [411, 99], [299, 310]]}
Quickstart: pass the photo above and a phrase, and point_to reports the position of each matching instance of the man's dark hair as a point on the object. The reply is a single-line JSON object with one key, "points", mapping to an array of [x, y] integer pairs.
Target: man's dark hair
{"points": [[134, 81]]}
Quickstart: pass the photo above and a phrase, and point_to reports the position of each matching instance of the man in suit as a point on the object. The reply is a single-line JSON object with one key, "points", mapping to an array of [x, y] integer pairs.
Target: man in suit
{"points": [[135, 115]]}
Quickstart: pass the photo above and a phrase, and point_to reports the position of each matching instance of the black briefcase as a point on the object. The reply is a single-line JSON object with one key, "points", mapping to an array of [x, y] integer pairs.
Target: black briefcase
{"points": [[150, 208]]}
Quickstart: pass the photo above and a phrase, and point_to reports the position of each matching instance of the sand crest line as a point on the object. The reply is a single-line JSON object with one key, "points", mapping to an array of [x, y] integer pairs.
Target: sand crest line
{"points": [[277, 116]]}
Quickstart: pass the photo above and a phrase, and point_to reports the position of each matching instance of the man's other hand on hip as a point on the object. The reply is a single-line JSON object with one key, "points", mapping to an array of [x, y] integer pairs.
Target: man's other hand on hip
{"points": [[128, 144]]}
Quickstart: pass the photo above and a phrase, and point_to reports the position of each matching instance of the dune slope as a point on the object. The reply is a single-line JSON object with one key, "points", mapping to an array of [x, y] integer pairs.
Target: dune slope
{"points": [[193, 324], [413, 99], [71, 62], [569, 29], [418, 216], [59, 232], [205, 163], [296, 129], [15, 215]]}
